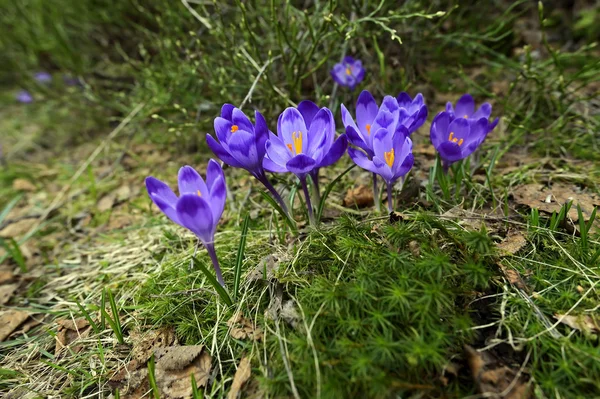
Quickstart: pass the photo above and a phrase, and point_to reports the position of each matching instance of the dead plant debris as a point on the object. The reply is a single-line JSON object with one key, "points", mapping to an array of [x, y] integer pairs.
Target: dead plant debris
{"points": [[23, 185], [513, 243], [6, 292], [70, 331], [552, 199], [242, 328], [496, 379], [360, 196], [514, 277], [18, 228], [10, 320], [585, 324], [243, 373]]}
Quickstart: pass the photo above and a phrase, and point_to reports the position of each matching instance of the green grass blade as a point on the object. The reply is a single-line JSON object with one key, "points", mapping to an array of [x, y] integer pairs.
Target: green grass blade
{"points": [[240, 256], [8, 207], [213, 281], [275, 205], [87, 316], [152, 378], [328, 190]]}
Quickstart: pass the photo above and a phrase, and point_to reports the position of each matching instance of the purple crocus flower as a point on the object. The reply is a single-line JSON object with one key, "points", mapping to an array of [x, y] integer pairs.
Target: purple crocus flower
{"points": [[413, 112], [392, 157], [242, 144], [304, 143], [199, 206], [349, 72], [23, 96], [457, 132], [43, 77]]}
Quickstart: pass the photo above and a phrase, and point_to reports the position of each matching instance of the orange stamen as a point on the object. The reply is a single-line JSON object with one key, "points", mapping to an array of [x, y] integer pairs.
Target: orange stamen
{"points": [[389, 157], [234, 128], [465, 116], [199, 194], [368, 127], [296, 147], [348, 71]]}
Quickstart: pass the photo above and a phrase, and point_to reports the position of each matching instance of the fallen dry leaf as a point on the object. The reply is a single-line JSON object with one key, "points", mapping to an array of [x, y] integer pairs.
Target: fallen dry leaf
{"points": [[6, 292], [106, 202], [242, 328], [147, 342], [175, 365], [268, 265], [18, 228], [513, 243], [243, 373], [493, 378], [552, 199], [582, 323], [10, 320], [23, 185], [469, 220], [361, 196], [513, 277], [6, 275], [70, 331], [122, 193]]}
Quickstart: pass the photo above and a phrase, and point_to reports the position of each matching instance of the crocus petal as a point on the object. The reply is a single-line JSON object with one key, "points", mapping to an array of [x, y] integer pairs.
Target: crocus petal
{"points": [[404, 167], [277, 151], [308, 109], [419, 120], [478, 131], [261, 130], [404, 100], [348, 60], [450, 151], [439, 128], [291, 122], [465, 106], [366, 111], [493, 124], [243, 148], [338, 73], [218, 196], [360, 75], [357, 140], [347, 120], [359, 158], [382, 142], [335, 152], [163, 197], [483, 112], [226, 111], [221, 152], [190, 182], [460, 128], [213, 172], [319, 132], [223, 129], [300, 165], [195, 214], [450, 108], [383, 170], [272, 167], [240, 119], [383, 120], [404, 158]]}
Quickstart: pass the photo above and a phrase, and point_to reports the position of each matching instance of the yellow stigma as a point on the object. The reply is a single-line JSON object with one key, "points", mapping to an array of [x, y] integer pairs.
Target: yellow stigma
{"points": [[348, 71], [389, 157], [199, 194], [234, 128], [297, 146], [465, 116], [455, 139], [368, 127]]}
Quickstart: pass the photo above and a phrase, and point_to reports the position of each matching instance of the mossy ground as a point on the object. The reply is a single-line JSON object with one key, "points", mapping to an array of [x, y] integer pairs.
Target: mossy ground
{"points": [[382, 305]]}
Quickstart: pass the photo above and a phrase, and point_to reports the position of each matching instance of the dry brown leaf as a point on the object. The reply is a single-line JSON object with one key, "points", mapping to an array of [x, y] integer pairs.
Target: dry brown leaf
{"points": [[174, 367], [493, 378], [361, 196], [18, 228], [268, 265], [117, 222], [242, 328], [10, 320], [23, 185], [552, 199], [6, 292], [514, 277], [145, 343], [513, 243], [106, 202], [6, 275], [70, 331], [242, 375], [123, 193], [466, 219], [582, 323]]}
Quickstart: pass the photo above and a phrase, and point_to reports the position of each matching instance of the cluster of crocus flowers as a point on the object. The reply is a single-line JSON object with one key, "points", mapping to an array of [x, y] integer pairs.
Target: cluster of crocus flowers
{"points": [[382, 133], [458, 131], [348, 73], [199, 206]]}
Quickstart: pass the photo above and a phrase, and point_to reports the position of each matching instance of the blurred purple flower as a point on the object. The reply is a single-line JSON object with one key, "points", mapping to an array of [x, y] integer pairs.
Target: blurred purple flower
{"points": [[349, 72], [457, 132], [242, 144], [304, 143], [43, 77], [199, 206], [72, 80], [23, 96], [392, 157], [413, 112]]}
